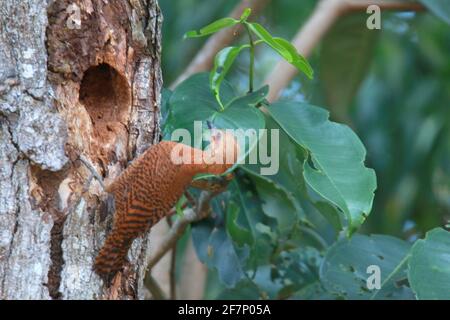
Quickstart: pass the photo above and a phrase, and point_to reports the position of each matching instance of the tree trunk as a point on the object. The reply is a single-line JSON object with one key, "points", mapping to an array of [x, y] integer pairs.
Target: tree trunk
{"points": [[77, 78]]}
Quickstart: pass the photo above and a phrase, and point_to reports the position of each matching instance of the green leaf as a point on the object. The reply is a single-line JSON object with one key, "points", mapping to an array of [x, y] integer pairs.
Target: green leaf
{"points": [[294, 274], [285, 169], [245, 14], [298, 270], [289, 176], [252, 99], [279, 192], [238, 233], [212, 28], [244, 290], [216, 248], [336, 168], [344, 269], [439, 7], [193, 101], [346, 53], [251, 218], [297, 60], [179, 206], [283, 48], [222, 63], [429, 266], [261, 286], [277, 205]]}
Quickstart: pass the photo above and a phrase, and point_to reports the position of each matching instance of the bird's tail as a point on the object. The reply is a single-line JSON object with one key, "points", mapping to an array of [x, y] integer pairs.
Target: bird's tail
{"points": [[112, 256]]}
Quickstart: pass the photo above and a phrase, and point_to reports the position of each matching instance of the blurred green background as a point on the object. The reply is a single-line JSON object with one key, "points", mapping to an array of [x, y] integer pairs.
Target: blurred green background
{"points": [[391, 86]]}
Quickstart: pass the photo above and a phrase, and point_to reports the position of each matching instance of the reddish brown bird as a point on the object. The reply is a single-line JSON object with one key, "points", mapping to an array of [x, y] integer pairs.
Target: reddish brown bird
{"points": [[147, 190]]}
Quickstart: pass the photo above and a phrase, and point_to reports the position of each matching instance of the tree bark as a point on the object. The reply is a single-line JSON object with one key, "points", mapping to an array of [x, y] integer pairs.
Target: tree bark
{"points": [[71, 85]]}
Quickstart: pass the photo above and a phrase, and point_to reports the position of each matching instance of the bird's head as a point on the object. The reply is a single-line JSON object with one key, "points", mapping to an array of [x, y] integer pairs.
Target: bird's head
{"points": [[223, 151]]}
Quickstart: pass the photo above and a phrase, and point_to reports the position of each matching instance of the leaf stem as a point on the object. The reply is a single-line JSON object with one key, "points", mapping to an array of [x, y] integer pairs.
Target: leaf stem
{"points": [[252, 59]]}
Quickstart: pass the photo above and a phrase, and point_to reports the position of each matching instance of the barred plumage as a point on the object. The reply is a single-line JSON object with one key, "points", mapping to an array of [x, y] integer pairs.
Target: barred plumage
{"points": [[146, 191]]}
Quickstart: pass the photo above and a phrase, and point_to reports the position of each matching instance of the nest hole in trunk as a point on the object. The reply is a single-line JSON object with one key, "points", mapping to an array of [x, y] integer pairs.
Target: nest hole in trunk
{"points": [[106, 95]]}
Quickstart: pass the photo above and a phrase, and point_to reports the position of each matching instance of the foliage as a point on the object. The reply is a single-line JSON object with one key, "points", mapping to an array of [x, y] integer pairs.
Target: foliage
{"points": [[428, 266], [225, 58], [344, 270], [297, 234]]}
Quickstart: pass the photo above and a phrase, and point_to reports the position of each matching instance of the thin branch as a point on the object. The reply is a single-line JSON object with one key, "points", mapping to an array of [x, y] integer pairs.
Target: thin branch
{"points": [[190, 198], [91, 168], [359, 5], [154, 288], [201, 211], [203, 61], [169, 242], [324, 16], [173, 265]]}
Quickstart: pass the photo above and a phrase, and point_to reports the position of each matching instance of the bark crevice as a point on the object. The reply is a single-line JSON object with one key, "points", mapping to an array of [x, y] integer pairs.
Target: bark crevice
{"points": [[6, 257], [56, 257]]}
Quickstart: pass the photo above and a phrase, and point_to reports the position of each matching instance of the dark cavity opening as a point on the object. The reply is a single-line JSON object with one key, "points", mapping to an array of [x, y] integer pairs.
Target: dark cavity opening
{"points": [[106, 95]]}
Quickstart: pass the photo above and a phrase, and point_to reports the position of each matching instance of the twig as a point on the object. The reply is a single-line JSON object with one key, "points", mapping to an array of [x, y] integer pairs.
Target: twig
{"points": [[324, 16], [176, 231], [190, 198], [383, 4], [154, 288], [180, 225], [173, 264], [91, 168], [86, 186], [205, 57], [193, 286]]}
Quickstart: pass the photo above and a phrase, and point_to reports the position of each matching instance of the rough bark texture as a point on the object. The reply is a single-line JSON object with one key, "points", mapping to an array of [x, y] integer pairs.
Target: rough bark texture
{"points": [[69, 88]]}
